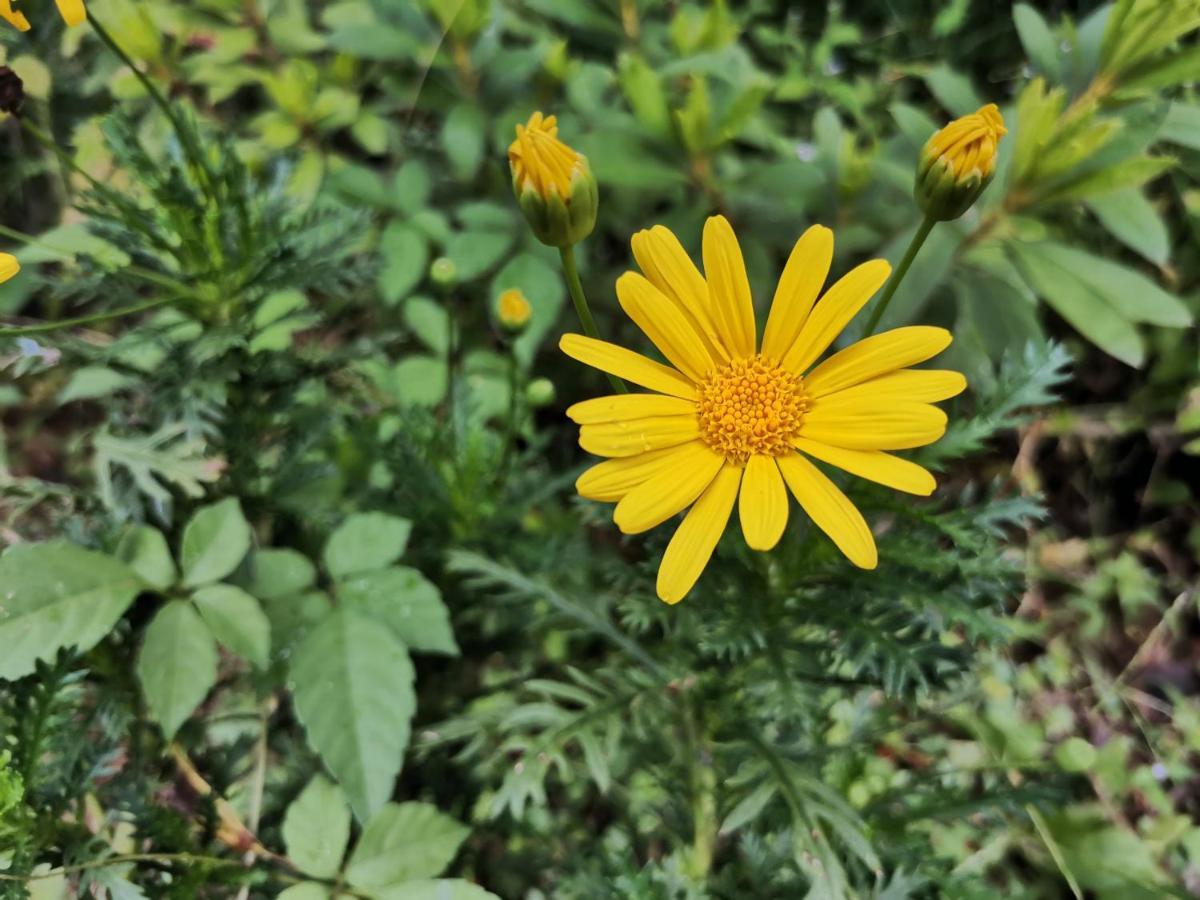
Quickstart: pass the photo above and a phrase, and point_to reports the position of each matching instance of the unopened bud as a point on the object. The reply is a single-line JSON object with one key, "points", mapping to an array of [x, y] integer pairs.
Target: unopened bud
{"points": [[554, 184], [958, 162], [513, 312]]}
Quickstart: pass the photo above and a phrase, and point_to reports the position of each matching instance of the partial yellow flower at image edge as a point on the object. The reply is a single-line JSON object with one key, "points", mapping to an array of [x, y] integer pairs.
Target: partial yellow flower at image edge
{"points": [[730, 422], [8, 267], [72, 11]]}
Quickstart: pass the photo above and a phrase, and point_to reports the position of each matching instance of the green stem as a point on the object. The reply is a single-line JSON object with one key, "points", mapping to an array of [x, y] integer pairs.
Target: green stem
{"points": [[185, 137], [575, 288], [43, 327], [510, 428], [901, 270]]}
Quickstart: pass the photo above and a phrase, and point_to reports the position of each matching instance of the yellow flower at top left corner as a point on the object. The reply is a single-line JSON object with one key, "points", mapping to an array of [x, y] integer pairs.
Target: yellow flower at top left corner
{"points": [[72, 11], [8, 267], [733, 420]]}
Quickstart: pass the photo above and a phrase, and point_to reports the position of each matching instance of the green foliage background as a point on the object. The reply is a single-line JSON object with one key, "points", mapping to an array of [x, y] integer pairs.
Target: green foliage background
{"points": [[297, 599]]}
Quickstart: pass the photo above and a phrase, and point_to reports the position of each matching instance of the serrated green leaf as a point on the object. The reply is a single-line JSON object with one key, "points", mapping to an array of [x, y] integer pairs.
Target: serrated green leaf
{"points": [[57, 595], [145, 550], [316, 828], [407, 602], [352, 686], [236, 620], [402, 842], [366, 541], [215, 540], [177, 665]]}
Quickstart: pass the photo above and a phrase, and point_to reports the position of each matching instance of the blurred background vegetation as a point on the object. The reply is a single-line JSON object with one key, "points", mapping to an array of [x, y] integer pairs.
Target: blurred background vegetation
{"points": [[287, 299]]}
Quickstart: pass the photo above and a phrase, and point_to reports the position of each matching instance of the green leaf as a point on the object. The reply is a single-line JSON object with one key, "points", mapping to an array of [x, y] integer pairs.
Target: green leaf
{"points": [[643, 88], [1127, 173], [463, 139], [316, 828], [411, 187], [1038, 41], [405, 257], [402, 842], [1076, 302], [359, 183], [419, 381], [91, 382], [407, 602], [293, 617], [177, 665], [352, 686], [1182, 125], [475, 253], [543, 287], [437, 889], [953, 90], [144, 549], [308, 890], [366, 541], [1133, 220], [278, 573], [57, 595], [429, 322], [215, 540], [236, 620]]}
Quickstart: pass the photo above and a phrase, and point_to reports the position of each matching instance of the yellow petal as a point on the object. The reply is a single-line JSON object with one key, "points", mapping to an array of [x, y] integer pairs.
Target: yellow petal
{"points": [[72, 11], [628, 365], [8, 267], [655, 500], [830, 510], [872, 424], [873, 465], [834, 311], [628, 406], [763, 503], [665, 324], [10, 15], [612, 479], [693, 543], [634, 436], [728, 288], [802, 279], [876, 355], [906, 385], [664, 261]]}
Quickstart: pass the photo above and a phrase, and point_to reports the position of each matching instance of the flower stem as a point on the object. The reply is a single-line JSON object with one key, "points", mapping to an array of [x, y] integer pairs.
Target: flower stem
{"points": [[575, 288], [514, 410], [43, 327], [897, 276]]}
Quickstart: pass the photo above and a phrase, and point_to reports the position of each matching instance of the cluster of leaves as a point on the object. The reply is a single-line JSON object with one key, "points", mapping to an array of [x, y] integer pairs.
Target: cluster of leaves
{"points": [[264, 370]]}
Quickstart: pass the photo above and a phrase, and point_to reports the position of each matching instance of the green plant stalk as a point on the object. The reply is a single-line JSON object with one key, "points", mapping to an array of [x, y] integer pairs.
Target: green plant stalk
{"points": [[575, 288], [510, 427], [897, 276], [194, 152], [43, 327]]}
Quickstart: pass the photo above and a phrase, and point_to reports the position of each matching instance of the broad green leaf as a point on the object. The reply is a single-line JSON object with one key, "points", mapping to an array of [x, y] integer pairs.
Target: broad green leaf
{"points": [[1182, 125], [405, 256], [144, 549], [352, 686], [463, 139], [1126, 290], [1133, 220], [371, 132], [91, 382], [308, 890], [292, 617], [236, 620], [278, 572], [643, 88], [411, 187], [419, 381], [915, 124], [366, 541], [1038, 40], [1128, 173], [402, 842], [475, 253], [360, 184], [1082, 307], [430, 322], [57, 595], [215, 540], [316, 828], [437, 889], [953, 90], [408, 603], [177, 665]]}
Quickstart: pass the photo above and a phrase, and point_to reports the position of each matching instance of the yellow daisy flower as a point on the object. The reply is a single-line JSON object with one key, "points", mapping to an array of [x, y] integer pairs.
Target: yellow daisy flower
{"points": [[731, 420], [72, 11], [8, 267]]}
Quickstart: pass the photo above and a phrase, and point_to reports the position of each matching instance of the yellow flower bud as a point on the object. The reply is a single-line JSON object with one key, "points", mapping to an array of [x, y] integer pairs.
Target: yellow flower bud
{"points": [[8, 267], [513, 311], [958, 162], [554, 184]]}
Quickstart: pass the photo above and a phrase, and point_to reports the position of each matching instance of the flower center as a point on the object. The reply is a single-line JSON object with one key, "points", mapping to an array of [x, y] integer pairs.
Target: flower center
{"points": [[751, 406]]}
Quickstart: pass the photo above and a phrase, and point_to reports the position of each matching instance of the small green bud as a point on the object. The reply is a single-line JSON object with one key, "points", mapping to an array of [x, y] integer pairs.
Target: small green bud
{"points": [[540, 392], [443, 272]]}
